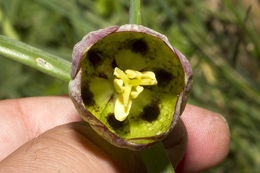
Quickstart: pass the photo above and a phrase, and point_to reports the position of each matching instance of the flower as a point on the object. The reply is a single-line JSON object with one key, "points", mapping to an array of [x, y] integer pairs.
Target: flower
{"points": [[129, 84]]}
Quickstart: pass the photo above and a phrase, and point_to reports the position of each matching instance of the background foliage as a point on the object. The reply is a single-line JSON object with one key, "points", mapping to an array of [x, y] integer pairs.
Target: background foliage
{"points": [[220, 38]]}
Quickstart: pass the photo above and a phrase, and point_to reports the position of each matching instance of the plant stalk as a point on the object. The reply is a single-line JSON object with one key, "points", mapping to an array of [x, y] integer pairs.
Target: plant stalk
{"points": [[156, 160], [135, 12]]}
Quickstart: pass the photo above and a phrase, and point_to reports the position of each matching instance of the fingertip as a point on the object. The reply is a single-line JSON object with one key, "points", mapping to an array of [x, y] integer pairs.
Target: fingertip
{"points": [[208, 139]]}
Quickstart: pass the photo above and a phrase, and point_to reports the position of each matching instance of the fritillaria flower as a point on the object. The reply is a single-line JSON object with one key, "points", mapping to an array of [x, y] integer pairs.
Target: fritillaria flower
{"points": [[129, 84]]}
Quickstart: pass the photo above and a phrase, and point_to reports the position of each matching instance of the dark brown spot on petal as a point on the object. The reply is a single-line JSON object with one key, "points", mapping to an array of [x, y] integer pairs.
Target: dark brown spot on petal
{"points": [[113, 122], [87, 96], [150, 112], [139, 46], [163, 77], [95, 57]]}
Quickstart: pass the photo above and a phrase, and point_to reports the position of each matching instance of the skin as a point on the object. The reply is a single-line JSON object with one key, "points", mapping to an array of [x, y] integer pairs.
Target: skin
{"points": [[46, 134]]}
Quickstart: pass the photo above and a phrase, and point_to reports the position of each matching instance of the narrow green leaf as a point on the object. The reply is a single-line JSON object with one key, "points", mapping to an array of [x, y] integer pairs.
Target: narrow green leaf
{"points": [[33, 57]]}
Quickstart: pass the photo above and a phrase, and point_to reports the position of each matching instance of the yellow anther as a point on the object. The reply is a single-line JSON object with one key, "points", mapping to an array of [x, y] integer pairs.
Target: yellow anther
{"points": [[136, 92], [118, 83], [133, 74], [128, 86], [148, 82], [148, 75], [120, 74]]}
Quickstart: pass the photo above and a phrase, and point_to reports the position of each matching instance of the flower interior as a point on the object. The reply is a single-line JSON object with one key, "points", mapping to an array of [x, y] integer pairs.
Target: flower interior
{"points": [[131, 84]]}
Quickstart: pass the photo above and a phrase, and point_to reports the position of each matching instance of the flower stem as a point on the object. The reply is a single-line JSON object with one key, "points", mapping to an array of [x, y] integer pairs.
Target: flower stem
{"points": [[35, 58], [135, 12], [156, 160]]}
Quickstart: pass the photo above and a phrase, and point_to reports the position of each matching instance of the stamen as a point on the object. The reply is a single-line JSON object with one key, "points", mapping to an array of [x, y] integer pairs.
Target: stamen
{"points": [[118, 83], [126, 94], [138, 90], [133, 74], [128, 85]]}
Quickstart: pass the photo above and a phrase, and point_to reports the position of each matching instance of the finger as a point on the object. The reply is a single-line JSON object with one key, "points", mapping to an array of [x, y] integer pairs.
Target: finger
{"points": [[64, 111], [74, 147], [208, 139], [24, 119]]}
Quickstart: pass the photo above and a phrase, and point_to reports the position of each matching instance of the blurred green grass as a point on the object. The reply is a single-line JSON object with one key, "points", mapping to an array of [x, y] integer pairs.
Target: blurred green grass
{"points": [[221, 38]]}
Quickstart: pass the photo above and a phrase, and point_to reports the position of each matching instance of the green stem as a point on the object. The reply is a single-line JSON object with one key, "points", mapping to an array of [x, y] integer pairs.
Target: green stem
{"points": [[156, 160], [135, 12], [33, 57]]}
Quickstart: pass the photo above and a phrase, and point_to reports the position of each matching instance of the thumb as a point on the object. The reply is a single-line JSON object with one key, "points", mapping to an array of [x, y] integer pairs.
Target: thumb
{"points": [[73, 147]]}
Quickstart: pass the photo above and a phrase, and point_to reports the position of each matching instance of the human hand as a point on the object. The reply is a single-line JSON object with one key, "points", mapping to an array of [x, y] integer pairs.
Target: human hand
{"points": [[43, 134]]}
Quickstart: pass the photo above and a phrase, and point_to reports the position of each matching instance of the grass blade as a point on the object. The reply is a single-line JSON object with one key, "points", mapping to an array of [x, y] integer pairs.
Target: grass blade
{"points": [[33, 57]]}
